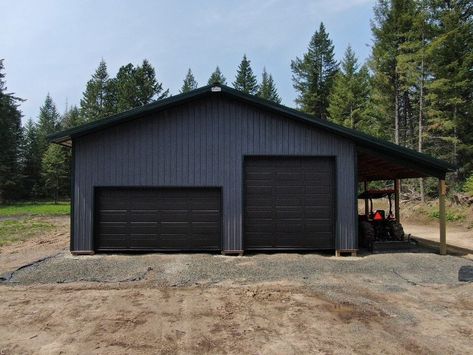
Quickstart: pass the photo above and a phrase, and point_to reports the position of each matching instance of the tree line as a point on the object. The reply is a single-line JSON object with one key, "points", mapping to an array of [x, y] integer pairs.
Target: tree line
{"points": [[415, 90]]}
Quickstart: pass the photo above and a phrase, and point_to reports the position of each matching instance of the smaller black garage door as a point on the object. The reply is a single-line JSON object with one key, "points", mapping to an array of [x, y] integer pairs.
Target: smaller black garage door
{"points": [[289, 203], [157, 219]]}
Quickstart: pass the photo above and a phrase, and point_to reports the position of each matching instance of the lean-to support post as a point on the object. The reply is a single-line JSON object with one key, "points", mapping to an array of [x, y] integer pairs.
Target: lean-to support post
{"points": [[367, 211], [397, 190], [442, 217]]}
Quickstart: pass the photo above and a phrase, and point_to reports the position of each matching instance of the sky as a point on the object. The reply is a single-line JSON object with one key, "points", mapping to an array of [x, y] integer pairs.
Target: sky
{"points": [[55, 46]]}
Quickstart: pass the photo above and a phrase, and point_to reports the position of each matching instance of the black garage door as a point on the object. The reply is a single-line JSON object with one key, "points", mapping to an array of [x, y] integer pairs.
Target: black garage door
{"points": [[157, 219], [289, 203]]}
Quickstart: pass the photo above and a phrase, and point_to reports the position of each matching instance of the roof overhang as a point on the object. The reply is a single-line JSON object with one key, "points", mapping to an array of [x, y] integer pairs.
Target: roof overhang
{"points": [[391, 160]]}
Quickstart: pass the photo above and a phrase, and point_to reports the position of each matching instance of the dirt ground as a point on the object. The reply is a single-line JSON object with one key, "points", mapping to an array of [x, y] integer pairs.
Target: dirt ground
{"points": [[408, 303], [457, 236]]}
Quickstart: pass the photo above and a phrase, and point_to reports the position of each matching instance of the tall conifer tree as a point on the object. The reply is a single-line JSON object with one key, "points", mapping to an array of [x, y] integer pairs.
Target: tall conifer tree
{"points": [[245, 80], [97, 101], [267, 89], [189, 83], [450, 92], [32, 161], [137, 86], [217, 78], [48, 123], [313, 74], [10, 142], [350, 94]]}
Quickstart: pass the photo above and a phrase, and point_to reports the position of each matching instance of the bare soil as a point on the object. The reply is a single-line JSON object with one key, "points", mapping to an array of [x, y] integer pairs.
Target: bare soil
{"points": [[260, 304], [456, 235]]}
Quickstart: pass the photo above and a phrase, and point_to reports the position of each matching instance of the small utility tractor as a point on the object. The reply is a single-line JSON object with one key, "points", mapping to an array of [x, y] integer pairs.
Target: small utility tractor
{"points": [[376, 228]]}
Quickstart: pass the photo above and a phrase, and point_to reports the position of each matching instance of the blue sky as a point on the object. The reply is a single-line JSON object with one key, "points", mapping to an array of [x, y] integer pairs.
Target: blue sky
{"points": [[55, 46]]}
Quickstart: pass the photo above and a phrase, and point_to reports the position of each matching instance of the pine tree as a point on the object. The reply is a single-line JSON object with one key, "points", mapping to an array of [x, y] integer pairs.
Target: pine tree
{"points": [[313, 75], [245, 80], [393, 21], [189, 83], [97, 101], [125, 88], [267, 89], [10, 142], [449, 97], [134, 87], [48, 123], [413, 67], [148, 88], [32, 161], [217, 78], [55, 171], [350, 94], [71, 118]]}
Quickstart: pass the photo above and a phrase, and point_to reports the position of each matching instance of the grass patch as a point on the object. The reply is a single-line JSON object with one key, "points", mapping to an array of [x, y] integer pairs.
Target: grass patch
{"points": [[449, 215], [35, 209], [20, 230]]}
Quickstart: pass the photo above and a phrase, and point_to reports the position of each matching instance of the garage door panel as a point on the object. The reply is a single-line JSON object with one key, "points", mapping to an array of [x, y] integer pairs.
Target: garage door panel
{"points": [[203, 227], [260, 226], [204, 204], [259, 213], [290, 226], [294, 207], [289, 212], [144, 216], [143, 227], [115, 241], [112, 227], [173, 204], [318, 212], [284, 201], [282, 177], [315, 188], [290, 190], [260, 240], [174, 227], [322, 226], [158, 219], [205, 216], [173, 216], [259, 189], [256, 203], [260, 182], [113, 216]]}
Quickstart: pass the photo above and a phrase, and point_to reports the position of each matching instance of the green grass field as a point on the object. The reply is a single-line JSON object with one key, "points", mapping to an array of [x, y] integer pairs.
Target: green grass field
{"points": [[19, 230], [35, 209]]}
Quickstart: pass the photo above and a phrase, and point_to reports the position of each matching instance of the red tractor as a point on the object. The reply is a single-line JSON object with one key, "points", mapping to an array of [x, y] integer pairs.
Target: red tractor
{"points": [[376, 227]]}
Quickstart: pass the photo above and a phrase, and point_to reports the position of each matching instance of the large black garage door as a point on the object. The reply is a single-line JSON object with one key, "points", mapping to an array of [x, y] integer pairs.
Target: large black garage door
{"points": [[289, 203], [157, 219]]}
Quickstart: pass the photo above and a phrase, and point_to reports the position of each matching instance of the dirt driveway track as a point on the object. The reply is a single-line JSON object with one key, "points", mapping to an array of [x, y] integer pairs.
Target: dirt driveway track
{"points": [[260, 304]]}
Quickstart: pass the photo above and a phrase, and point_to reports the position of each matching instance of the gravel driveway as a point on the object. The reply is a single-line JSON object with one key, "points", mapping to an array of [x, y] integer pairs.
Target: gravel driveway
{"points": [[208, 269]]}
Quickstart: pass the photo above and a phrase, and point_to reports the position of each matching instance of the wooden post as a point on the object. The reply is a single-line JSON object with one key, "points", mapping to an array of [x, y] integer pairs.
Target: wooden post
{"points": [[367, 211], [442, 217], [397, 190]]}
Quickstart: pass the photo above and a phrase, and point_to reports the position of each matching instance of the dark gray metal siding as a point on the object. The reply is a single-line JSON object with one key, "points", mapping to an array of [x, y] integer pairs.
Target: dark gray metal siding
{"points": [[203, 143]]}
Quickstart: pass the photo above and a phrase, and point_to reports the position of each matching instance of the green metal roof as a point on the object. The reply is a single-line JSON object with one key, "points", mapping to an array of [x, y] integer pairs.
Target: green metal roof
{"points": [[434, 166]]}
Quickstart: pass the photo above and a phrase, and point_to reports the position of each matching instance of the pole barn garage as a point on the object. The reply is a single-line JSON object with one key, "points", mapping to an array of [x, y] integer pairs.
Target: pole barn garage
{"points": [[218, 170]]}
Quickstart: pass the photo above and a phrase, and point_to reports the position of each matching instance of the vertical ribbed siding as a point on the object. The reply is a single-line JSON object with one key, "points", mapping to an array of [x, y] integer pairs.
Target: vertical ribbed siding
{"points": [[203, 143]]}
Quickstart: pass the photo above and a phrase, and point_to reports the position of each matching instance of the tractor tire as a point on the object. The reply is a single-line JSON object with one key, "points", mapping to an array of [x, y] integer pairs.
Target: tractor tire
{"points": [[396, 230], [367, 234]]}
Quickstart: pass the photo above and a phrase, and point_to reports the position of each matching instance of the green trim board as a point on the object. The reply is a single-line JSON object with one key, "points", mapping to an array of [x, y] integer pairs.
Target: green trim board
{"points": [[424, 162]]}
